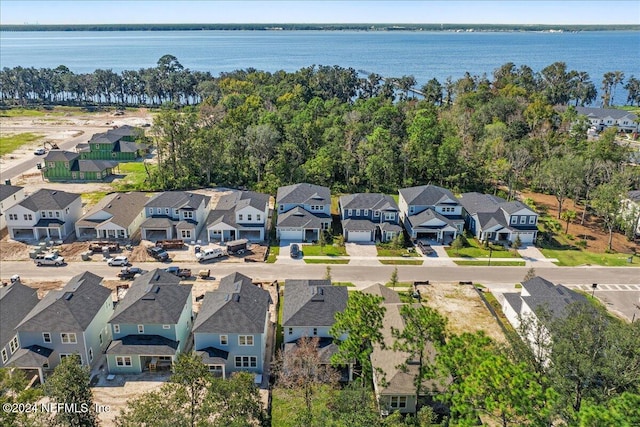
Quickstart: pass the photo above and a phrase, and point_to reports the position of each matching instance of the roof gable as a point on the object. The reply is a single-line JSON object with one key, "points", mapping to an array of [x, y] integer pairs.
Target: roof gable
{"points": [[7, 191], [312, 302], [428, 195], [303, 194], [16, 301], [46, 199], [177, 200]]}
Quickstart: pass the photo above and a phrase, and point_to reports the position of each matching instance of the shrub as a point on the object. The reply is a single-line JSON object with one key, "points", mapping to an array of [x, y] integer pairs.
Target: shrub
{"points": [[581, 244]]}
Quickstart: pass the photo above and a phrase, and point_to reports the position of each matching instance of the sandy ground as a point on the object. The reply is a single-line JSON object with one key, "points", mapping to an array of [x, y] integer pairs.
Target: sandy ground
{"points": [[463, 308]]}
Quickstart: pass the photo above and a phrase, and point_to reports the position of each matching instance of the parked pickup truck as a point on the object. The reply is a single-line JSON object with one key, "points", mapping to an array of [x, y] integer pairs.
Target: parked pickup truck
{"points": [[180, 272], [158, 253], [48, 259], [210, 253], [128, 273]]}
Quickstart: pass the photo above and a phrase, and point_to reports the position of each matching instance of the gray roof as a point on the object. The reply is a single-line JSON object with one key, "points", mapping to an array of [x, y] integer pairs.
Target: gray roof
{"points": [[126, 130], [71, 309], [388, 226], [104, 138], [8, 190], [390, 296], [358, 225], [237, 306], [327, 347], [310, 303], [155, 345], [123, 208], [225, 209], [373, 201], [156, 297], [478, 202], [46, 199], [301, 218], [428, 195], [177, 200], [157, 222], [60, 156], [491, 219], [93, 165], [16, 301], [605, 112], [213, 356], [127, 146], [304, 194], [33, 356], [514, 206], [514, 301], [544, 294], [428, 215], [633, 195]]}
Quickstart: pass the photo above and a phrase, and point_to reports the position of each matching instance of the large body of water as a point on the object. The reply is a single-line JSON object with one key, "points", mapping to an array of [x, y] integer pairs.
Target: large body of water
{"points": [[424, 55]]}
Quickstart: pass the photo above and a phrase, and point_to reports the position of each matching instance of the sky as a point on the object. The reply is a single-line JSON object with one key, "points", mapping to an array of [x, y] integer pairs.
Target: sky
{"points": [[308, 11]]}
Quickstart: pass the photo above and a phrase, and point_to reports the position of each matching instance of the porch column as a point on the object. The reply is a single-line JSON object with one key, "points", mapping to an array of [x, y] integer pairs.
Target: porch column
{"points": [[350, 372], [48, 233], [224, 372], [41, 375]]}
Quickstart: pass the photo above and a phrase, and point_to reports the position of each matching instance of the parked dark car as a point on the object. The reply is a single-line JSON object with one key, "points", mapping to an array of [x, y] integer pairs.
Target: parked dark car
{"points": [[183, 273], [158, 253], [426, 249], [295, 251], [129, 273]]}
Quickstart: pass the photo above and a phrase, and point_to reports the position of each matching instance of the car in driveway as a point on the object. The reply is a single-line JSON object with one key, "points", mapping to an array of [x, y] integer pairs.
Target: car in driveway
{"points": [[49, 259], [119, 261], [158, 253], [294, 251], [39, 151]]}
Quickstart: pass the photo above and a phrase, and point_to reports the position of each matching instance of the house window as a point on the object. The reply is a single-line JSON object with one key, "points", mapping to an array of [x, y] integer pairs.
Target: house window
{"points": [[121, 234], [216, 370], [46, 337], [532, 220], [158, 210], [74, 175], [366, 212], [13, 345], [245, 340], [141, 329], [150, 211], [290, 331], [349, 212], [57, 214], [249, 218], [389, 216], [514, 220], [246, 361], [5, 357], [357, 212], [45, 365], [397, 402], [66, 210], [81, 175], [52, 165], [166, 326], [281, 208], [258, 217], [116, 329], [224, 340], [68, 338], [27, 217], [64, 355], [166, 211], [90, 355], [13, 217], [410, 209], [523, 220], [100, 338], [240, 217], [315, 331], [187, 214], [123, 360], [186, 234]]}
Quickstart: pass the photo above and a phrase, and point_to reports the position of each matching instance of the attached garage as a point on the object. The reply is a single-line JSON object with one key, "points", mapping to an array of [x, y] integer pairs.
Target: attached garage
{"points": [[430, 235], [526, 237], [290, 234], [359, 236]]}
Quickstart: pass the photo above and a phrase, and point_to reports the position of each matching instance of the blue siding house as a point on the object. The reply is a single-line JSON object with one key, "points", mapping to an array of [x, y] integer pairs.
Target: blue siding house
{"points": [[230, 332], [151, 324], [16, 301], [368, 217]]}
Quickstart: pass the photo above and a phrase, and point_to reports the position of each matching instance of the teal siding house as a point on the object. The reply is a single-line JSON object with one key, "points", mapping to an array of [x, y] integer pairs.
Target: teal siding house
{"points": [[150, 325], [119, 144], [61, 165], [65, 322], [230, 332]]}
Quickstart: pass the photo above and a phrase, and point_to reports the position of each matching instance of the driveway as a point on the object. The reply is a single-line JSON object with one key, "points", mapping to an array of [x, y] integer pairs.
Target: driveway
{"points": [[530, 254], [285, 254], [361, 250]]}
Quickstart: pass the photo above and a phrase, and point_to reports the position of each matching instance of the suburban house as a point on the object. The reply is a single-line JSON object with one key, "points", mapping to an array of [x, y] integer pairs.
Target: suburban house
{"points": [[119, 144], [151, 324], [430, 212], [303, 210], [538, 294], [230, 332], [239, 215], [369, 217], [66, 322], [389, 296], [116, 216], [494, 219], [60, 165], [9, 196], [393, 371], [174, 215], [631, 208], [603, 118], [45, 214], [16, 301]]}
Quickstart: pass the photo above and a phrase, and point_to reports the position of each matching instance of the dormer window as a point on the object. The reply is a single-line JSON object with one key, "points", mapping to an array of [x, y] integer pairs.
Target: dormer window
{"points": [[376, 214], [410, 209], [349, 212], [357, 212], [366, 212]]}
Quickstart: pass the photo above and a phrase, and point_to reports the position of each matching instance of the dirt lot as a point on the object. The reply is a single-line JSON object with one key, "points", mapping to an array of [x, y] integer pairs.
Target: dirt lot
{"points": [[462, 307], [597, 237]]}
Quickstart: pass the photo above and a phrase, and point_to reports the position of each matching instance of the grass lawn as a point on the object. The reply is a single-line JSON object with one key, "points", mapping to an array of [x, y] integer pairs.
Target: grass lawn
{"points": [[573, 257], [476, 251], [387, 250], [326, 261], [347, 284], [400, 285], [400, 262], [279, 329], [496, 263], [491, 299], [13, 142], [327, 250], [91, 199], [286, 404], [136, 176], [274, 251]]}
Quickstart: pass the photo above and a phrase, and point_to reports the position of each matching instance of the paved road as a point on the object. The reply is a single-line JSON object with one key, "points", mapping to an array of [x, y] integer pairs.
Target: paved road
{"points": [[347, 273]]}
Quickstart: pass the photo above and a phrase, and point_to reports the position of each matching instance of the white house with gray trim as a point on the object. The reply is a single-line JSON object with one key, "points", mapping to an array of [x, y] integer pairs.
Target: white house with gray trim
{"points": [[230, 332], [9, 196], [239, 215], [45, 214], [116, 216], [603, 118], [303, 210]]}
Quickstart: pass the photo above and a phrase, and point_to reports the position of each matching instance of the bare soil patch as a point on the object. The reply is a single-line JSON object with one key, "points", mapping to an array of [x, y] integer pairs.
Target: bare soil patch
{"points": [[462, 307], [596, 236]]}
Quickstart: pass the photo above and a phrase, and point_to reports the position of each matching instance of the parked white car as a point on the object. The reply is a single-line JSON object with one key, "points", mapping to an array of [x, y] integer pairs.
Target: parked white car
{"points": [[210, 253], [40, 151], [49, 259], [118, 261]]}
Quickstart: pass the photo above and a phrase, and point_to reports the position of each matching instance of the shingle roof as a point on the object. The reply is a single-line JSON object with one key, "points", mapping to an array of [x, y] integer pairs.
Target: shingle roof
{"points": [[373, 201], [633, 195], [390, 296], [104, 138], [33, 356], [126, 130], [301, 218], [155, 345], [93, 165], [155, 297], [326, 348], [213, 356], [228, 204], [358, 225], [554, 298], [304, 194], [605, 112], [8, 190], [237, 306], [16, 301], [478, 202], [46, 199], [123, 208], [428, 195], [428, 215], [177, 200], [514, 206], [70, 309], [60, 156], [491, 219], [307, 303]]}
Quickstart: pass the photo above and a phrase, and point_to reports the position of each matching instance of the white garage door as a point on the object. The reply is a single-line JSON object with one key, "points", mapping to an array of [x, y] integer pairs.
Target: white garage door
{"points": [[295, 235], [359, 236], [526, 237]]}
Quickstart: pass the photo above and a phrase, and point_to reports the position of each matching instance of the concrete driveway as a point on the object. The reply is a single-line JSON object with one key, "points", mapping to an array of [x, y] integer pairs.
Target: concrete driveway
{"points": [[285, 254], [361, 250], [530, 254]]}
